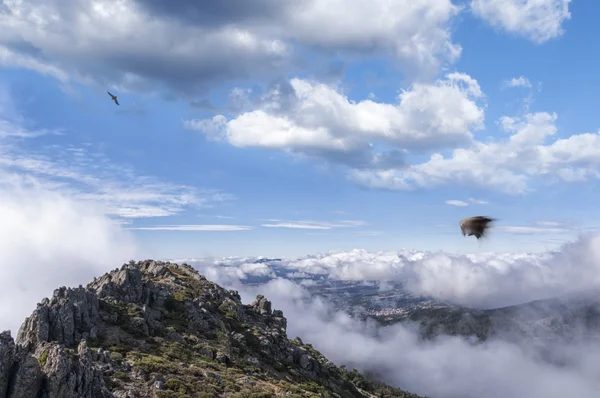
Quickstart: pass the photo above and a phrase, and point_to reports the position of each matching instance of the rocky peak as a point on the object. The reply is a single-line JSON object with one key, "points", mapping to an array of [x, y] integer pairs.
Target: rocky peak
{"points": [[158, 329]]}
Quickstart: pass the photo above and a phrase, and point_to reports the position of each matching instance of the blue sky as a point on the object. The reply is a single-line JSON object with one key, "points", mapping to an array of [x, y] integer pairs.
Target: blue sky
{"points": [[260, 128]]}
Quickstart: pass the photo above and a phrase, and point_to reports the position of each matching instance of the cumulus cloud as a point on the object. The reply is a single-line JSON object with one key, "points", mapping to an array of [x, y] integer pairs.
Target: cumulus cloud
{"points": [[315, 119], [536, 20], [503, 165], [448, 367], [188, 46], [377, 141]]}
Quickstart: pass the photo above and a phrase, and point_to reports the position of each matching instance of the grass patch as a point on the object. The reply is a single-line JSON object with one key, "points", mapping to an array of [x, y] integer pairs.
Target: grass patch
{"points": [[43, 358]]}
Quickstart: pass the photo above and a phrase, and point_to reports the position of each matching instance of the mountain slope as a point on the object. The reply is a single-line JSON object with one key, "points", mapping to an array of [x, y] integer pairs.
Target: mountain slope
{"points": [[155, 329], [552, 320]]}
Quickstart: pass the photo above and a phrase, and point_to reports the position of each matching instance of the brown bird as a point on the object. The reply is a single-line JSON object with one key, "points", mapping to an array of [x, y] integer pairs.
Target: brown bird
{"points": [[475, 226], [114, 97]]}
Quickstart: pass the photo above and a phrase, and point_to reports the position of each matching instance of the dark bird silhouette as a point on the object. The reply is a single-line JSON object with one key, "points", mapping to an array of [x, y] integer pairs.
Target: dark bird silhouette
{"points": [[114, 97], [475, 226]]}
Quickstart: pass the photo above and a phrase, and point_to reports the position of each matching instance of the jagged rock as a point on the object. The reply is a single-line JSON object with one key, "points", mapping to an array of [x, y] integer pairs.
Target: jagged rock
{"points": [[27, 377], [262, 305], [169, 329], [66, 318], [7, 352], [70, 376]]}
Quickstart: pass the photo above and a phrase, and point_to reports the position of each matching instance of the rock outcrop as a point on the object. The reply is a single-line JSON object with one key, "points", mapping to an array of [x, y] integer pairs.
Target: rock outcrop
{"points": [[157, 329]]}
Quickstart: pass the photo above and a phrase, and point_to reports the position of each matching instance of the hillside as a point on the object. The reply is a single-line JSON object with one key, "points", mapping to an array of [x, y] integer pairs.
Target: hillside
{"points": [[552, 320], [155, 329]]}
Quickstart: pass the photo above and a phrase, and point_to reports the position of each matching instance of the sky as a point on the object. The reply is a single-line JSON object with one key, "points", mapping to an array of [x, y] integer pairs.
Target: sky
{"points": [[350, 137], [294, 127]]}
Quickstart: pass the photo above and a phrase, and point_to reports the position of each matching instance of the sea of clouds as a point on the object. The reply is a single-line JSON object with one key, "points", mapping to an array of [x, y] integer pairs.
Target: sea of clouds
{"points": [[48, 240]]}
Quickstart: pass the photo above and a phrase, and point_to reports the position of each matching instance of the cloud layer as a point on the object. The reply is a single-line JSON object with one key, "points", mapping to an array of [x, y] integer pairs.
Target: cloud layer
{"points": [[48, 240], [188, 46], [484, 280], [447, 367]]}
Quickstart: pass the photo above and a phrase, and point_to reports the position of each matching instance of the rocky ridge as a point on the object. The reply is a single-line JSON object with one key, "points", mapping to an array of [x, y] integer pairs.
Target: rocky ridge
{"points": [[158, 329]]}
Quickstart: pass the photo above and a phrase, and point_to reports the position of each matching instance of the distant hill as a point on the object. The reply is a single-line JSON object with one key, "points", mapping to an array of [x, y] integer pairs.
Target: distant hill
{"points": [[158, 329], [553, 320], [564, 319]]}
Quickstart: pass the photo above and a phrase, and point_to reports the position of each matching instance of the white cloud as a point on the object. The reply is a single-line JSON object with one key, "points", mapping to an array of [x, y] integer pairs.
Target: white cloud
{"points": [[49, 240], [458, 203], [135, 45], [205, 227], [520, 81], [478, 202], [536, 20], [275, 223], [506, 166], [315, 119], [462, 203], [447, 366], [485, 280]]}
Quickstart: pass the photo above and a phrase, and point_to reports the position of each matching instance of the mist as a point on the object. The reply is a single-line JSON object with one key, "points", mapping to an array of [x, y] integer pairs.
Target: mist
{"points": [[48, 240], [446, 366]]}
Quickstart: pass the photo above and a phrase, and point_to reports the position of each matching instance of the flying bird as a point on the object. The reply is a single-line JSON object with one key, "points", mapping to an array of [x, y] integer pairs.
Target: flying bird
{"points": [[475, 226], [114, 97]]}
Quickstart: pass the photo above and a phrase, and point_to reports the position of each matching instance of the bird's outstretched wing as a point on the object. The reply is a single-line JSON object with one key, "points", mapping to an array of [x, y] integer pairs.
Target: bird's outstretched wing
{"points": [[116, 102]]}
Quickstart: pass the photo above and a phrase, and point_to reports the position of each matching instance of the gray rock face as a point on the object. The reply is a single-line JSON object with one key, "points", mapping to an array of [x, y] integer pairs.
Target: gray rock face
{"points": [[7, 353], [49, 371], [262, 305], [169, 329], [69, 316]]}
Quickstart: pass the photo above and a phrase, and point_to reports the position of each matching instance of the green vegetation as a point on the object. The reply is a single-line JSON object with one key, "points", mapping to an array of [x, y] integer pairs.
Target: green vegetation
{"points": [[121, 376], [379, 389], [43, 358], [225, 355]]}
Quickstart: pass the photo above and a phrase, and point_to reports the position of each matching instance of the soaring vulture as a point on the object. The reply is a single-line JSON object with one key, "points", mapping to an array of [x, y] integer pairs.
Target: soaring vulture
{"points": [[475, 226], [114, 97]]}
